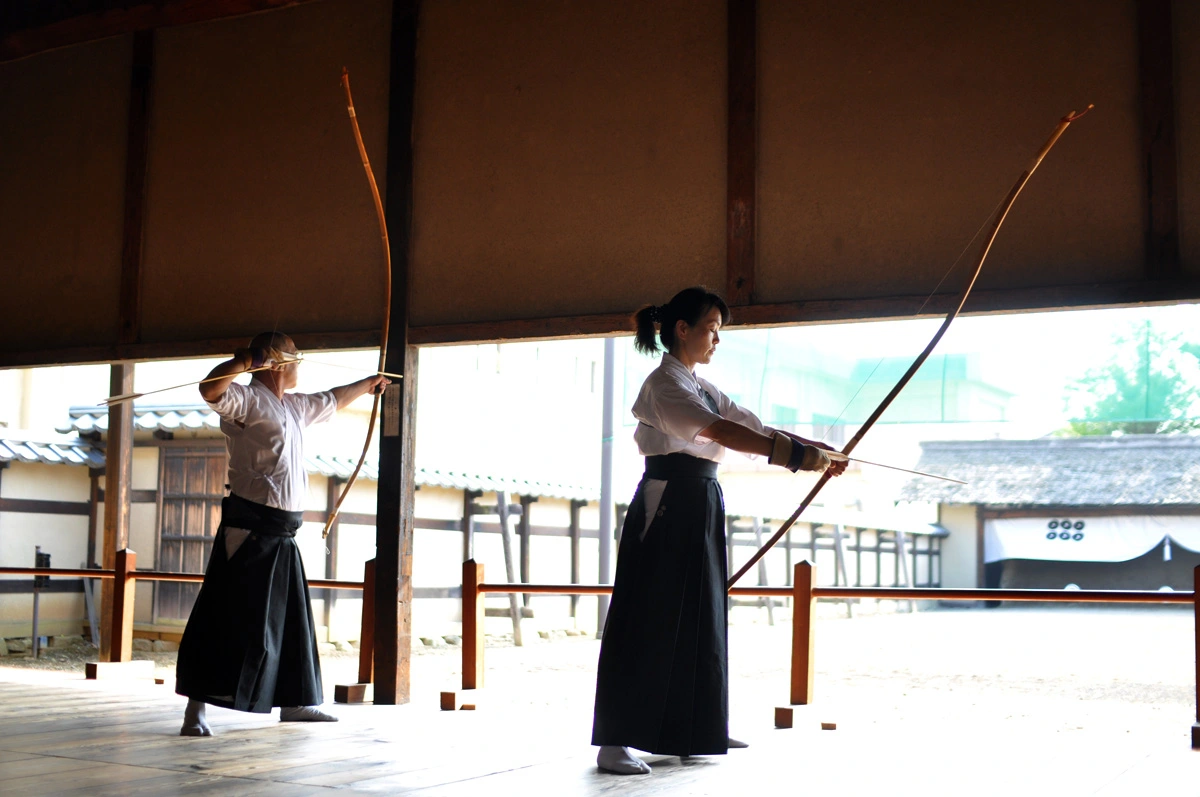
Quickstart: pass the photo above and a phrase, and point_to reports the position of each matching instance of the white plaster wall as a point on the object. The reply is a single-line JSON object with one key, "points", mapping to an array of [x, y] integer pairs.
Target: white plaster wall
{"points": [[64, 537]]}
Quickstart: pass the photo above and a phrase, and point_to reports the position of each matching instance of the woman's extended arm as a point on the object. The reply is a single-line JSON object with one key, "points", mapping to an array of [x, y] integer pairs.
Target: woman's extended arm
{"points": [[734, 435]]}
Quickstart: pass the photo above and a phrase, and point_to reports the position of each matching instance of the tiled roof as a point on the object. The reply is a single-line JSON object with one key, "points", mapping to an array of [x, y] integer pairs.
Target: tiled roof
{"points": [[14, 448], [1133, 470], [150, 418], [342, 467]]}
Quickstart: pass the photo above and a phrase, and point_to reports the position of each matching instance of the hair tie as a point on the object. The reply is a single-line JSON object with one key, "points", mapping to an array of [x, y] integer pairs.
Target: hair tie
{"points": [[656, 312]]}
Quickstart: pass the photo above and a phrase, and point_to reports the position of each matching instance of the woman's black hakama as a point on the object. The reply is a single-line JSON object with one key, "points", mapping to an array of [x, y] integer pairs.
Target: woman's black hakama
{"points": [[249, 643], [662, 681]]}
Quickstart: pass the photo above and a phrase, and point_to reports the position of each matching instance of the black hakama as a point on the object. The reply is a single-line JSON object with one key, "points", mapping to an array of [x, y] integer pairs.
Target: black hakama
{"points": [[249, 644], [662, 684]]}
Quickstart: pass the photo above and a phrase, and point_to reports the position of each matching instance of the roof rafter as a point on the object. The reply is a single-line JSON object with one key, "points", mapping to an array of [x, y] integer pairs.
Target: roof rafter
{"points": [[29, 27]]}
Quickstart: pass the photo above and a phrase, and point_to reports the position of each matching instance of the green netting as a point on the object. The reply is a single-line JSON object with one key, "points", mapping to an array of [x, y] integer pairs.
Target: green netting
{"points": [[813, 376]]}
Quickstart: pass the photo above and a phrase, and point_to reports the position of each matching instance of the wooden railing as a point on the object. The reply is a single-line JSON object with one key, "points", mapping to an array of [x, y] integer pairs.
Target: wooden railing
{"points": [[126, 575], [804, 594]]}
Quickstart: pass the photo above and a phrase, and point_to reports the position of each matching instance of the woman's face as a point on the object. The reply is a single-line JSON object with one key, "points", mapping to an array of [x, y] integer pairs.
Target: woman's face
{"points": [[698, 344]]}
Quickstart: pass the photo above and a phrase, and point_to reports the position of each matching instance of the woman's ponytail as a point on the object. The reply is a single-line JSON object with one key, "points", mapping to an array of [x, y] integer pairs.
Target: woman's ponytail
{"points": [[644, 320]]}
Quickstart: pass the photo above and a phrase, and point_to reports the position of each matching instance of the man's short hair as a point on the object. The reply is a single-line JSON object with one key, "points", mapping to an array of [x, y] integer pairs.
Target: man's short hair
{"points": [[271, 340]]}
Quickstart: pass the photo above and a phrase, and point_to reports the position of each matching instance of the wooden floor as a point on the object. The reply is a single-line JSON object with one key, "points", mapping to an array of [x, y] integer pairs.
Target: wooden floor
{"points": [[63, 735], [956, 736]]}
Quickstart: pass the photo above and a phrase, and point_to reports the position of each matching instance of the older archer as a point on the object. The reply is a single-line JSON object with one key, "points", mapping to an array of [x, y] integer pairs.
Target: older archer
{"points": [[249, 644]]}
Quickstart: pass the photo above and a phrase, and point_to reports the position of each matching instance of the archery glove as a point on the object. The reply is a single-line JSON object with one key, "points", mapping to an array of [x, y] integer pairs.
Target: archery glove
{"points": [[255, 358], [795, 455]]}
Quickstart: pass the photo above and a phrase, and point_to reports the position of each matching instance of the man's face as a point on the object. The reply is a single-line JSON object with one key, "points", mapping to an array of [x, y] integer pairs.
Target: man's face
{"points": [[289, 373]]}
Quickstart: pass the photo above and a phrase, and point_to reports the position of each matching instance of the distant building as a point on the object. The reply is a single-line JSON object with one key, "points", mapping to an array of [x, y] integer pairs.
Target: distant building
{"points": [[179, 473], [1096, 512]]}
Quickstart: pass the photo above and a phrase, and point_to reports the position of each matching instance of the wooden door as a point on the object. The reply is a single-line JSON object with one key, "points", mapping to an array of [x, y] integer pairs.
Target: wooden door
{"points": [[191, 484]]}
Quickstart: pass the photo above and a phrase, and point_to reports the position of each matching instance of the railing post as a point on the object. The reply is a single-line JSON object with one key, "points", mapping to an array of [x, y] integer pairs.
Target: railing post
{"points": [[366, 636], [1196, 615], [124, 584], [804, 577], [472, 625], [357, 692]]}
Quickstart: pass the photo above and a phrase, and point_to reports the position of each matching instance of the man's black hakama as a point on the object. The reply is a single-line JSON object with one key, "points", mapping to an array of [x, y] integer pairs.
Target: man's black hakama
{"points": [[249, 642], [662, 681]]}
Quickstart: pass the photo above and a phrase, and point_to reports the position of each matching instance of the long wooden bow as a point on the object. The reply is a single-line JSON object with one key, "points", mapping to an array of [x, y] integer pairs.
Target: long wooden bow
{"points": [[387, 299], [1001, 214]]}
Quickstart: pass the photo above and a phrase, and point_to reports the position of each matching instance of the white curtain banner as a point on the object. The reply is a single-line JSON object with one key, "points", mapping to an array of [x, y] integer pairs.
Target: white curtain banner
{"points": [[1086, 539]]}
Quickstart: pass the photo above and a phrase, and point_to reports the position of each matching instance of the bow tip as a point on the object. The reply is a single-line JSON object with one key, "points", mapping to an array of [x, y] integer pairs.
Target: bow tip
{"points": [[1073, 115]]}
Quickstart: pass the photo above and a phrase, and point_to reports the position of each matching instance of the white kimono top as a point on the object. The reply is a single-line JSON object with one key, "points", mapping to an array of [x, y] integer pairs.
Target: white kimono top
{"points": [[265, 438], [672, 408]]}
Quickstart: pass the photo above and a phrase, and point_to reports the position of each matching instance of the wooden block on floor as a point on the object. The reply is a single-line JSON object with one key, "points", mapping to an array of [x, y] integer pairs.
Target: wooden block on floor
{"points": [[460, 700], [783, 717], [119, 670], [350, 693], [829, 726]]}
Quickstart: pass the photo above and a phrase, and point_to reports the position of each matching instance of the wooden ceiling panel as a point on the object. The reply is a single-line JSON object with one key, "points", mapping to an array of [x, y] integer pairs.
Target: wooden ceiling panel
{"points": [[1187, 84], [569, 156], [62, 160], [890, 132], [258, 213]]}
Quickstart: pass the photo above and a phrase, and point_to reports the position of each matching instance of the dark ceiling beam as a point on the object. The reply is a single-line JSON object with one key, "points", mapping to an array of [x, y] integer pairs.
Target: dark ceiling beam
{"points": [[831, 311], [1156, 76], [886, 308], [137, 139], [29, 27], [741, 179]]}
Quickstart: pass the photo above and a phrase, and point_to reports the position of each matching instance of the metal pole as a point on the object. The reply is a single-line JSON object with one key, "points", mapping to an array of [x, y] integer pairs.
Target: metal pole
{"points": [[606, 486]]}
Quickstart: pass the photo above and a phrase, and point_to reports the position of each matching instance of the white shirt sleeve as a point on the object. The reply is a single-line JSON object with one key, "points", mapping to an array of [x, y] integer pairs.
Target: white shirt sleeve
{"points": [[678, 411], [313, 407], [233, 404], [734, 412]]}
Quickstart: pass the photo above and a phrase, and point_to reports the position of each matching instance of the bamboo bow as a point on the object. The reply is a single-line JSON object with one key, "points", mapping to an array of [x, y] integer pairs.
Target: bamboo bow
{"points": [[1001, 214], [387, 298]]}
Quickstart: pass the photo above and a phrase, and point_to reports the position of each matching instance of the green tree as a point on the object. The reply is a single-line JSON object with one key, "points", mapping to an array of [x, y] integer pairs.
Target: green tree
{"points": [[1150, 386]]}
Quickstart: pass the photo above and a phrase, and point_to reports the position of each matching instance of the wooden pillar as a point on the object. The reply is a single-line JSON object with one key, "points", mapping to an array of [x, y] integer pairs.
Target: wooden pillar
{"points": [[1156, 66], [468, 526], [124, 585], [804, 578], [366, 642], [472, 626], [357, 692], [94, 475], [1196, 614], [118, 466], [576, 505], [523, 528], [331, 555], [514, 600], [742, 150], [394, 516]]}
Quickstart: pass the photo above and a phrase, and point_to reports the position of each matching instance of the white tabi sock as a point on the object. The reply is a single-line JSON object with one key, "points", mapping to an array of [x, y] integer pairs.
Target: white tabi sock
{"points": [[305, 714], [620, 760], [194, 722], [734, 744]]}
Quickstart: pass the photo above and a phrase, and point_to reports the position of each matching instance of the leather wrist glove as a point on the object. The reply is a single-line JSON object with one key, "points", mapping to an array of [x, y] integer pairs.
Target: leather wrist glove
{"points": [[794, 456]]}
